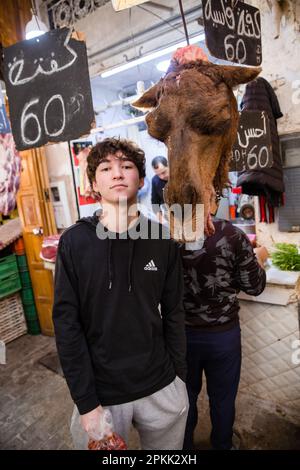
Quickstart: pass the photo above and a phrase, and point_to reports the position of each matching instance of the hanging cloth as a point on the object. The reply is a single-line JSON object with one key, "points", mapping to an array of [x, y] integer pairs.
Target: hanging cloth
{"points": [[266, 182]]}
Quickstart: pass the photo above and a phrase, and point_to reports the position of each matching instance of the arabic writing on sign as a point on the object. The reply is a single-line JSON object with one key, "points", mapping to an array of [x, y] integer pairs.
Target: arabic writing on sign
{"points": [[232, 31], [16, 68], [240, 20], [48, 89], [244, 135], [252, 149]]}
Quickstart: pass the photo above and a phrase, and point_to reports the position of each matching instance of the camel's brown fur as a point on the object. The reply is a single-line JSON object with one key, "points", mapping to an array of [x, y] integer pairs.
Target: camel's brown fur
{"points": [[196, 116]]}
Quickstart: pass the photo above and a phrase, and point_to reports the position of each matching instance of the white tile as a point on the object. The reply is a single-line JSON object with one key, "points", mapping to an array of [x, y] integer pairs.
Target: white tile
{"points": [[267, 336]]}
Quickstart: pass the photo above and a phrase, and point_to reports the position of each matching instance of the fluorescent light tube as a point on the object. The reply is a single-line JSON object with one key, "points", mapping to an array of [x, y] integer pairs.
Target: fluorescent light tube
{"points": [[153, 55]]}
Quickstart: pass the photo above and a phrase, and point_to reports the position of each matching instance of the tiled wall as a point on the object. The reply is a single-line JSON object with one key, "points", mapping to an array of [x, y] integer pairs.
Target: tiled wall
{"points": [[268, 336]]}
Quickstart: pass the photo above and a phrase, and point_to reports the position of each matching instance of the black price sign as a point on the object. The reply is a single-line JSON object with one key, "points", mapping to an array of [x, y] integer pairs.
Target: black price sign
{"points": [[232, 31], [48, 88], [252, 149]]}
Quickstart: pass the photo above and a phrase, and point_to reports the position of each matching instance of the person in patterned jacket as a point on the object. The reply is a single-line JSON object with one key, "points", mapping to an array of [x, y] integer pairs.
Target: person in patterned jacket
{"points": [[213, 276]]}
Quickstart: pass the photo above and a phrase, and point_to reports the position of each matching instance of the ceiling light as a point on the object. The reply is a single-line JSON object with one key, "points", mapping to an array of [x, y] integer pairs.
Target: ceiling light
{"points": [[163, 65], [35, 27], [153, 55]]}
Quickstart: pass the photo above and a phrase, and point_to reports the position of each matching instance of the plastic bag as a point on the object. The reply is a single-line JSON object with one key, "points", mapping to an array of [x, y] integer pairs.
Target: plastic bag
{"points": [[112, 442], [104, 437]]}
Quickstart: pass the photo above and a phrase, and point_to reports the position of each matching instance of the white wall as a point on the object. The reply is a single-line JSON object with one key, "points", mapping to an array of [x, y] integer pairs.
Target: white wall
{"points": [[281, 67], [59, 168], [281, 64]]}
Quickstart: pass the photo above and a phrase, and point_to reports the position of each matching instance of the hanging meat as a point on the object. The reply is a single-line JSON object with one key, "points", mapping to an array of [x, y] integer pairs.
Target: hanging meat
{"points": [[194, 112], [112, 442], [10, 170]]}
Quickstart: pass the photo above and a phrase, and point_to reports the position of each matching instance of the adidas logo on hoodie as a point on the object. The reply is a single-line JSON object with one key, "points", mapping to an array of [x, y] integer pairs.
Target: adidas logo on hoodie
{"points": [[150, 266]]}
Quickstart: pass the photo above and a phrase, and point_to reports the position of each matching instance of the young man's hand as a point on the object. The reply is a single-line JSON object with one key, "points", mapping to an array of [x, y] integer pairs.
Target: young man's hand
{"points": [[97, 423], [261, 255]]}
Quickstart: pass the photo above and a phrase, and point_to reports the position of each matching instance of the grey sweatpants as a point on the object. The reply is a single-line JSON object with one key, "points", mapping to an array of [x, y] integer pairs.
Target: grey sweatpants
{"points": [[159, 419]]}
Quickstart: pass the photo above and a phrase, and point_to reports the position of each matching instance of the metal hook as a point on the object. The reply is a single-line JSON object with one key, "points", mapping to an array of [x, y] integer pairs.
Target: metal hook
{"points": [[133, 58]]}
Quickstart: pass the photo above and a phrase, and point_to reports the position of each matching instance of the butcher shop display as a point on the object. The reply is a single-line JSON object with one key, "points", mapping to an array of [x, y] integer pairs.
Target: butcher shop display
{"points": [[49, 248]]}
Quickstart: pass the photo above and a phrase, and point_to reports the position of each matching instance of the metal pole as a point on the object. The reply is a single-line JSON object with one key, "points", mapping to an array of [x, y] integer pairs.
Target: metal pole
{"points": [[184, 23], [74, 181]]}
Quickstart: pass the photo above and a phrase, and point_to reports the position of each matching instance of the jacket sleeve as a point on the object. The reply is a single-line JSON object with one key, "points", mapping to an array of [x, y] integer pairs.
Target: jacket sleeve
{"points": [[155, 199], [172, 312], [250, 276], [70, 338]]}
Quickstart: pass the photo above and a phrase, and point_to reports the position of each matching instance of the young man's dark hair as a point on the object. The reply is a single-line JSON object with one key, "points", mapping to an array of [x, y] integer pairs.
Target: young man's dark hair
{"points": [[112, 146], [118, 315], [157, 160]]}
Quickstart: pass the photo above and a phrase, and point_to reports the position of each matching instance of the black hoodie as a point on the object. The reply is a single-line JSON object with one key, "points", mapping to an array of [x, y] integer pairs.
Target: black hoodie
{"points": [[118, 315]]}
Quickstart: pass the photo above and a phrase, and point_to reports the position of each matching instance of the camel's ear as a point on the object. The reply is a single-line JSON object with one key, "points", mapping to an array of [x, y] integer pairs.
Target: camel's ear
{"points": [[150, 98], [235, 75]]}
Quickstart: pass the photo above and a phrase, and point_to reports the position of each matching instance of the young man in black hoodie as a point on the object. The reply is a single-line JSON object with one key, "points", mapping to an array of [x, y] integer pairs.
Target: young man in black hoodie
{"points": [[118, 314]]}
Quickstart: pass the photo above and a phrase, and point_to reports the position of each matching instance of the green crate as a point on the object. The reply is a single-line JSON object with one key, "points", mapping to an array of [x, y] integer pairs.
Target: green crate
{"points": [[8, 266], [10, 285], [22, 262], [30, 311], [33, 327], [23, 269], [25, 278], [27, 295]]}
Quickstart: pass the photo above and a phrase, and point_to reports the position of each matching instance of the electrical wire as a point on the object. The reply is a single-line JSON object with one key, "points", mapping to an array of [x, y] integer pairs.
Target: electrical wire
{"points": [[184, 23], [133, 41], [161, 18]]}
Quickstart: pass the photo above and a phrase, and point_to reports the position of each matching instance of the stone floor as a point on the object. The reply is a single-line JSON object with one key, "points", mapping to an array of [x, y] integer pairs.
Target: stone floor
{"points": [[35, 408]]}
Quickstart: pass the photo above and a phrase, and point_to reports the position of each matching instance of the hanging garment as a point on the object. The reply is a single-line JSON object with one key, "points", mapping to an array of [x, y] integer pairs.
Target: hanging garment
{"points": [[10, 169], [266, 182]]}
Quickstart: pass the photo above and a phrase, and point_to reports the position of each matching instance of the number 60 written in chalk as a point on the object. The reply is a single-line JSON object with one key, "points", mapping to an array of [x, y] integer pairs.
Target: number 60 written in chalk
{"points": [[28, 116]]}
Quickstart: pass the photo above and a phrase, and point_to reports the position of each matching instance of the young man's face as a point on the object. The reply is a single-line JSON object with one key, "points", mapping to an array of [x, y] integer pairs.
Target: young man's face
{"points": [[117, 179], [162, 172]]}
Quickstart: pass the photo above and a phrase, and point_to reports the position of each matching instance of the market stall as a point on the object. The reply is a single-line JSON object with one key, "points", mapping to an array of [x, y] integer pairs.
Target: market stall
{"points": [[221, 112]]}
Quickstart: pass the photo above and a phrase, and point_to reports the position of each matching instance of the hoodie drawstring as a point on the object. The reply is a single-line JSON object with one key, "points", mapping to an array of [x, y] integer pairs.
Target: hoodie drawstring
{"points": [[111, 268], [110, 265], [130, 261]]}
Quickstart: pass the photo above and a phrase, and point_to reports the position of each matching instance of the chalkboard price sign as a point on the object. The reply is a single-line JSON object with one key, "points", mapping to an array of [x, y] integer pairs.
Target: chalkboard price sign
{"points": [[252, 149], [48, 88], [232, 31]]}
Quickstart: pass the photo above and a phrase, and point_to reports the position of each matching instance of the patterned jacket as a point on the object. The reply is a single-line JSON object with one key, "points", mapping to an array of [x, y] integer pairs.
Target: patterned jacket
{"points": [[214, 275]]}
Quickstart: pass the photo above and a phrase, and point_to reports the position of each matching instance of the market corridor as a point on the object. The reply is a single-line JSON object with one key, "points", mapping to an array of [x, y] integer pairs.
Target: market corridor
{"points": [[35, 407]]}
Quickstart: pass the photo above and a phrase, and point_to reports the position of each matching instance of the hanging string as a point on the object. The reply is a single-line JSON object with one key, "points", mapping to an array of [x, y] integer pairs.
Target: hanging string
{"points": [[161, 18], [184, 23]]}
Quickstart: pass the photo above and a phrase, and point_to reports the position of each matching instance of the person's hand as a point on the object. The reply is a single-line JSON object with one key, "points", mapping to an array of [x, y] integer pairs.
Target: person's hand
{"points": [[160, 217], [261, 255], [97, 423]]}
